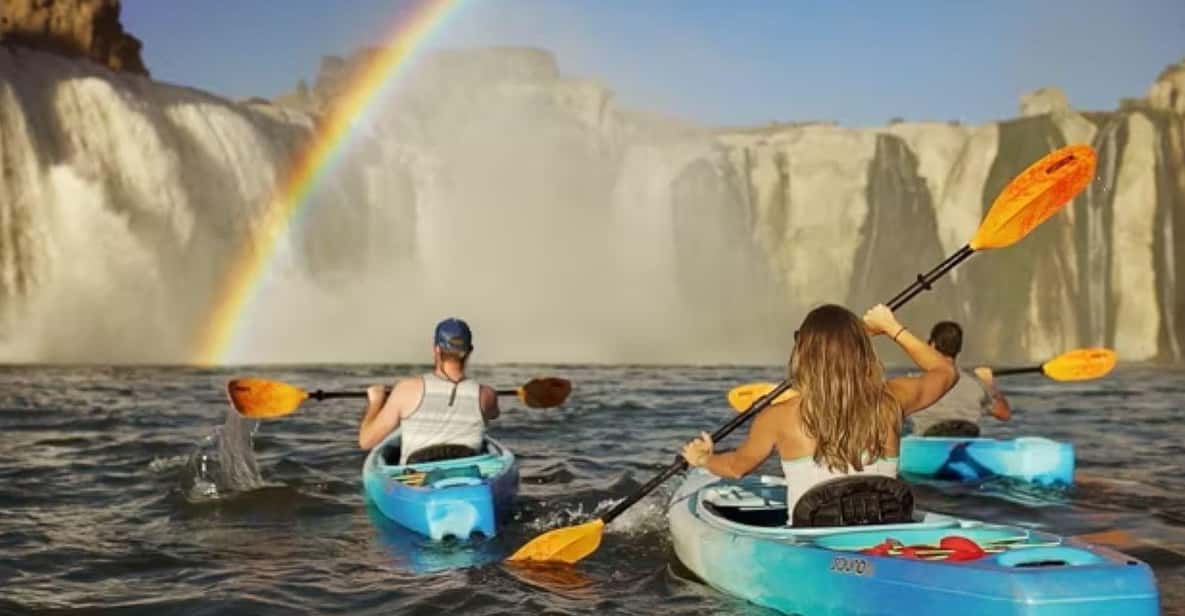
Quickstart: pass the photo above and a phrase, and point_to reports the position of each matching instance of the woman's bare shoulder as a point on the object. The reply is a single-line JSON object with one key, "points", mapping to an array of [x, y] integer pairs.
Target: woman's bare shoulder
{"points": [[781, 416]]}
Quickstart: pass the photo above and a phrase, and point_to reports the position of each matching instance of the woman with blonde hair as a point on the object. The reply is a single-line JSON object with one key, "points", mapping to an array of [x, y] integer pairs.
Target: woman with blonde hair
{"points": [[847, 417]]}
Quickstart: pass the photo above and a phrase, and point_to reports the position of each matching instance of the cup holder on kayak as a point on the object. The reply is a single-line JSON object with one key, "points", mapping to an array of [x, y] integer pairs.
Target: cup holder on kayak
{"points": [[1038, 558]]}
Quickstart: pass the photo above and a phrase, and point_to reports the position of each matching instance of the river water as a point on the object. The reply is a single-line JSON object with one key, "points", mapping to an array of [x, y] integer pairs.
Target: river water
{"points": [[104, 508]]}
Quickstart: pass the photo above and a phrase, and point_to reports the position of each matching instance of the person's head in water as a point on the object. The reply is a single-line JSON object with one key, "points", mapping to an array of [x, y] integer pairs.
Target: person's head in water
{"points": [[947, 337], [845, 404], [452, 342]]}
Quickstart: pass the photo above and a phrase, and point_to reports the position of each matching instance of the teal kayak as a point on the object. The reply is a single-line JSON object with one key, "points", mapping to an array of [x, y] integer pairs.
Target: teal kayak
{"points": [[732, 534], [456, 498], [1033, 459]]}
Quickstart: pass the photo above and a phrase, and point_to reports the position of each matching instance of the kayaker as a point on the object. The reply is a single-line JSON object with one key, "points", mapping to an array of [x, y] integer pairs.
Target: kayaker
{"points": [[974, 396], [847, 418], [443, 413]]}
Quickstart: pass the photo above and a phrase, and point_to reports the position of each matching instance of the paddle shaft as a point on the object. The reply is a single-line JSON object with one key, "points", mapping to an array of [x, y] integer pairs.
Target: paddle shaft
{"points": [[681, 464], [328, 395], [1007, 371], [923, 283]]}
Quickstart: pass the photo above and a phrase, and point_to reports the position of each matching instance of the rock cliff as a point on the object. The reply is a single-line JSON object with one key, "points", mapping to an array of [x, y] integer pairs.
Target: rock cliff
{"points": [[87, 28]]}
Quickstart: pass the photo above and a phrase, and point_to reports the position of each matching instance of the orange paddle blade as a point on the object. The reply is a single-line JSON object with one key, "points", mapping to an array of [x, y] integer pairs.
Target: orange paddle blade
{"points": [[565, 545], [1035, 195], [741, 397], [1080, 365], [264, 399], [545, 392]]}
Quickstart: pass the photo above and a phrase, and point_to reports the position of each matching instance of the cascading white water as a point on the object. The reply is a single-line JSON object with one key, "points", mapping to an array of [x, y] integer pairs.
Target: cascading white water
{"points": [[491, 188], [130, 197]]}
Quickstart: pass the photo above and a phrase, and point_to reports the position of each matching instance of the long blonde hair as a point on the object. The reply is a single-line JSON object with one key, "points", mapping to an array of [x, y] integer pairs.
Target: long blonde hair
{"points": [[845, 402]]}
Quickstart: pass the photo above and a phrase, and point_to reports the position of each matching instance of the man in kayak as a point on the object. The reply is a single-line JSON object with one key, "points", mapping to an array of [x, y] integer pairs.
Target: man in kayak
{"points": [[443, 414], [975, 395]]}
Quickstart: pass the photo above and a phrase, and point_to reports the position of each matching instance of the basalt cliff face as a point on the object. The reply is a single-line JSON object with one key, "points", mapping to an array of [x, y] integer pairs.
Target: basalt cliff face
{"points": [[492, 186], [851, 215], [88, 28]]}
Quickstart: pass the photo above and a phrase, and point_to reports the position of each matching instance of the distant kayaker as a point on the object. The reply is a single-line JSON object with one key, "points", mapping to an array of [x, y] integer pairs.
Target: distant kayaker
{"points": [[974, 396], [847, 418], [443, 413]]}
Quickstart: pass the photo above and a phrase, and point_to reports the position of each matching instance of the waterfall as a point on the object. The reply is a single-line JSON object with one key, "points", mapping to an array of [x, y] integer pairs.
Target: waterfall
{"points": [[563, 228]]}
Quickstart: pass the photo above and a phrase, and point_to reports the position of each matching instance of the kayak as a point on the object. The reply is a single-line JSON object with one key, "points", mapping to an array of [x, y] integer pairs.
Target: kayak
{"points": [[456, 498], [732, 534], [1033, 459], [410, 552]]}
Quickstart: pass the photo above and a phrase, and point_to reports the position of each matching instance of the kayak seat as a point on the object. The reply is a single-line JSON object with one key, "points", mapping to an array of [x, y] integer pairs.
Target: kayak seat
{"points": [[955, 428], [392, 453], [444, 451], [855, 501]]}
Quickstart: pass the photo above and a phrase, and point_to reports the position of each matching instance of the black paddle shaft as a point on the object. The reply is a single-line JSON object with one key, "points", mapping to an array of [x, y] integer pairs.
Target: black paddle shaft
{"points": [[923, 283], [327, 395], [1006, 371], [681, 464]]}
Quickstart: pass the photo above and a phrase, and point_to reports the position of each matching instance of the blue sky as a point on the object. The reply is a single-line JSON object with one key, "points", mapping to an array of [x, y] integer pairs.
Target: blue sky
{"points": [[717, 62]]}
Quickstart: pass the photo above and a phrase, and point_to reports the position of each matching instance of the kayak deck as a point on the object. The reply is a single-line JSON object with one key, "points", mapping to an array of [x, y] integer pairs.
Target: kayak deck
{"points": [[732, 535], [455, 498], [1033, 459]]}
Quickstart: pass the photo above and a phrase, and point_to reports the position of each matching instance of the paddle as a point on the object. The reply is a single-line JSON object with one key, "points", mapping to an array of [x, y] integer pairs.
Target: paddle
{"points": [[1027, 201], [265, 399], [1076, 365]]}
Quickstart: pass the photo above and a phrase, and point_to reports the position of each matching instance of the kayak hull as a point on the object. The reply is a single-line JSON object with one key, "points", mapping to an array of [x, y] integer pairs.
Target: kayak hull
{"points": [[452, 498], [821, 571], [1033, 459]]}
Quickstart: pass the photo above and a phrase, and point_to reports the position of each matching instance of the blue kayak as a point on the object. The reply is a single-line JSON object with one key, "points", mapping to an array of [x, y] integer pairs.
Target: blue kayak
{"points": [[1033, 459], [732, 535], [451, 498]]}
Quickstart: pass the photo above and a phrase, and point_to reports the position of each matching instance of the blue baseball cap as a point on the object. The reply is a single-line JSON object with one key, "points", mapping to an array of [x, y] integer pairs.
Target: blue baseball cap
{"points": [[453, 334]]}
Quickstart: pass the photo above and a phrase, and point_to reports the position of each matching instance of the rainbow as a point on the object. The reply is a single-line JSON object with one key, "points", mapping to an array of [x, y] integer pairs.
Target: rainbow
{"points": [[239, 283]]}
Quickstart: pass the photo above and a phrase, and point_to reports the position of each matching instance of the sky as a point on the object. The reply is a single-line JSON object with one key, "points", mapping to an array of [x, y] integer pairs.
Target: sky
{"points": [[736, 63]]}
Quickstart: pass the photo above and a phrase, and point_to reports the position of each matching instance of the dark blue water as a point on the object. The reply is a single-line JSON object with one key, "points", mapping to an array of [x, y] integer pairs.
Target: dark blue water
{"points": [[100, 512]]}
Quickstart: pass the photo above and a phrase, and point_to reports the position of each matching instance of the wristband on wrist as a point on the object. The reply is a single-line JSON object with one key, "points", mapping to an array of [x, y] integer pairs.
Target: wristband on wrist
{"points": [[898, 333]]}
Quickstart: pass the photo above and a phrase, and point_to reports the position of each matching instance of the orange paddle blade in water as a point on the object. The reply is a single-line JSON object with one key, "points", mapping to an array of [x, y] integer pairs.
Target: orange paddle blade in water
{"points": [[1035, 195], [565, 545], [264, 399], [1080, 365], [741, 397], [544, 393]]}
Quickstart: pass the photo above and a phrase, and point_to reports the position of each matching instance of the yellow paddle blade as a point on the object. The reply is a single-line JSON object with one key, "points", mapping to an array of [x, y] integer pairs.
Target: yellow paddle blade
{"points": [[545, 392], [1080, 365], [1035, 195], [264, 399], [565, 545], [741, 397]]}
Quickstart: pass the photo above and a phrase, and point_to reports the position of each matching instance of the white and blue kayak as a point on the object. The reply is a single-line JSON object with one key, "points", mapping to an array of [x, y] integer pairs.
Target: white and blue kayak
{"points": [[457, 498], [732, 534], [1033, 459]]}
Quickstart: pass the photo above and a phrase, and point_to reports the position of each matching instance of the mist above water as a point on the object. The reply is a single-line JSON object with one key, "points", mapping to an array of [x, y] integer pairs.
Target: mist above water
{"points": [[497, 193]]}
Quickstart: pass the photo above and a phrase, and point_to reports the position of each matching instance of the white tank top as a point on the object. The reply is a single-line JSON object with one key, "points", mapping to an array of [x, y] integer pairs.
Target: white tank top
{"points": [[448, 414], [804, 473]]}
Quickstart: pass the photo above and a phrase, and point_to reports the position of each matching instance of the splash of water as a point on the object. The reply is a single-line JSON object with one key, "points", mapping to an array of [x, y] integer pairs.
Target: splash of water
{"points": [[223, 464]]}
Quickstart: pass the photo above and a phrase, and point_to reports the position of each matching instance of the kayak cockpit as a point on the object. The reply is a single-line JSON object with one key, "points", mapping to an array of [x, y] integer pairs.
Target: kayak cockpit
{"points": [[859, 500], [757, 506], [457, 497]]}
